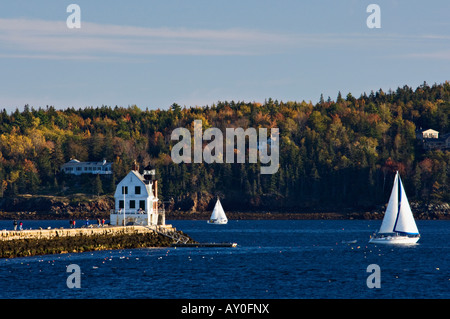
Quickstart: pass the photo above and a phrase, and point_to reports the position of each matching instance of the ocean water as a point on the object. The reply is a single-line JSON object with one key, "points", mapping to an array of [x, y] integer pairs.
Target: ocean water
{"points": [[274, 259]]}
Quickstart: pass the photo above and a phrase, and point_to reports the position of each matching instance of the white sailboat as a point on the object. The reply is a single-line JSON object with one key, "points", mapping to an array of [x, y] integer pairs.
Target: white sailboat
{"points": [[398, 226], [218, 216]]}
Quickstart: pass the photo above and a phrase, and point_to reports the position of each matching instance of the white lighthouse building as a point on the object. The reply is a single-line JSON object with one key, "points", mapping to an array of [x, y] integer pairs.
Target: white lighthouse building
{"points": [[136, 200]]}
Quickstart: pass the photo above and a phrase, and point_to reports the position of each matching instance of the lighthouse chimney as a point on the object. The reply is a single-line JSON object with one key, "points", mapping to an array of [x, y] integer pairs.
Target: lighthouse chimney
{"points": [[135, 166]]}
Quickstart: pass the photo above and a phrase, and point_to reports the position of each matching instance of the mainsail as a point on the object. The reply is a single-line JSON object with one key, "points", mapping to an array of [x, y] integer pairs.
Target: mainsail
{"points": [[387, 226], [218, 214], [398, 217]]}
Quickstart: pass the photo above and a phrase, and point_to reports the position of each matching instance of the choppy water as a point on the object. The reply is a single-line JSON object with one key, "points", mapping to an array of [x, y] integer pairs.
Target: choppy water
{"points": [[274, 259]]}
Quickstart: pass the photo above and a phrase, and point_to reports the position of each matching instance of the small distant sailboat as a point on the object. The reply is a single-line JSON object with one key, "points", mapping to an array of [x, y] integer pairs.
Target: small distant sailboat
{"points": [[398, 226], [218, 216]]}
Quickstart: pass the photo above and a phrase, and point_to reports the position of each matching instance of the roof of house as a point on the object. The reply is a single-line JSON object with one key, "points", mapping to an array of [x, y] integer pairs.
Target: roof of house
{"points": [[77, 162], [427, 130], [139, 177]]}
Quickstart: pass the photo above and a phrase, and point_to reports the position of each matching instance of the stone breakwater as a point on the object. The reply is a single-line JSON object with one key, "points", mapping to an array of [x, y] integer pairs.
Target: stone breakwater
{"points": [[57, 241]]}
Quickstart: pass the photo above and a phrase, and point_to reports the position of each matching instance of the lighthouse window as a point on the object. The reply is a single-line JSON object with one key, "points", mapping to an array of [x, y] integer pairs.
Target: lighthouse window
{"points": [[137, 190], [132, 204], [120, 204], [142, 204]]}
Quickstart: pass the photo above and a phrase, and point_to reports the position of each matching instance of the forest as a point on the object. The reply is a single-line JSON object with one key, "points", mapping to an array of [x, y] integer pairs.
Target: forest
{"points": [[334, 154]]}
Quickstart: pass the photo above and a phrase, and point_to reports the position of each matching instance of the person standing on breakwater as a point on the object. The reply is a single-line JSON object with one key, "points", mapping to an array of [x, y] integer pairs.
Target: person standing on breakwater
{"points": [[15, 224], [87, 222], [103, 222], [20, 226]]}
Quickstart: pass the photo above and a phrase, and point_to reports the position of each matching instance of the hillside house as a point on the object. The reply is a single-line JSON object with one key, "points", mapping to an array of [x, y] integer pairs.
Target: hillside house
{"points": [[75, 167], [430, 139]]}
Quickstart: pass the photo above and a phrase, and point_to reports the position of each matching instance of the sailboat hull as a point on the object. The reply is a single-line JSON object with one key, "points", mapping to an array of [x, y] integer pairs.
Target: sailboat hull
{"points": [[218, 222], [394, 240]]}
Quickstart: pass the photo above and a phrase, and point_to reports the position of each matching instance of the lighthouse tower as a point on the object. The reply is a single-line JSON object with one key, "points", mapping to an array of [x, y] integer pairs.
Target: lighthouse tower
{"points": [[136, 199]]}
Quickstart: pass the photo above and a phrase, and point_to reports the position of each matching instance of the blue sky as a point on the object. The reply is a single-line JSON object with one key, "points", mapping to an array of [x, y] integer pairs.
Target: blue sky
{"points": [[155, 53]]}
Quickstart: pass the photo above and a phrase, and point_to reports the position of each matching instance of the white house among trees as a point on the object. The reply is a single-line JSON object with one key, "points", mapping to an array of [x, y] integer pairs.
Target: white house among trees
{"points": [[431, 139], [430, 133], [75, 167]]}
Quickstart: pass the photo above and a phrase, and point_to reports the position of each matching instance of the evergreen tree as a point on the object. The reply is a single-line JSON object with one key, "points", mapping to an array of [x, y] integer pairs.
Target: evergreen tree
{"points": [[98, 185]]}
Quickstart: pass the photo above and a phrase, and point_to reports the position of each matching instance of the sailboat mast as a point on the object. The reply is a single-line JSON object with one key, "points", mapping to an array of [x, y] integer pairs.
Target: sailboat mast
{"points": [[399, 200]]}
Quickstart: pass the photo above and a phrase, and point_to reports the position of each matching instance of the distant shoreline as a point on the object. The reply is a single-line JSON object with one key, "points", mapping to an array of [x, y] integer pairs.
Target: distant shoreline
{"points": [[375, 215], [299, 216], [80, 207]]}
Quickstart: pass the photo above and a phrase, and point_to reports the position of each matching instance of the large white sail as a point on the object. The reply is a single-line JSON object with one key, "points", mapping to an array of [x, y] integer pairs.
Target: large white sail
{"points": [[218, 215], [405, 220], [390, 216]]}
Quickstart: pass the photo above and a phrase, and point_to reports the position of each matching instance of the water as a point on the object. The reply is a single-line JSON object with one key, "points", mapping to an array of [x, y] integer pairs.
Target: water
{"points": [[274, 259]]}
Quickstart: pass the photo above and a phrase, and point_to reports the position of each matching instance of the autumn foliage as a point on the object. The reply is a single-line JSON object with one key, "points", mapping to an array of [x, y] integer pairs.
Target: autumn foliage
{"points": [[333, 154]]}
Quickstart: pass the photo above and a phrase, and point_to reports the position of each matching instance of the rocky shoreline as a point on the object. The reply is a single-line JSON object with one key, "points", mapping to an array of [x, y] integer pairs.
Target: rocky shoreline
{"points": [[43, 207], [81, 207], [421, 212]]}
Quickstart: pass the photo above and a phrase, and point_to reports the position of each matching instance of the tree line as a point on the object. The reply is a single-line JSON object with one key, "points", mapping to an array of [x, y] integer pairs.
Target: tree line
{"points": [[333, 154]]}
